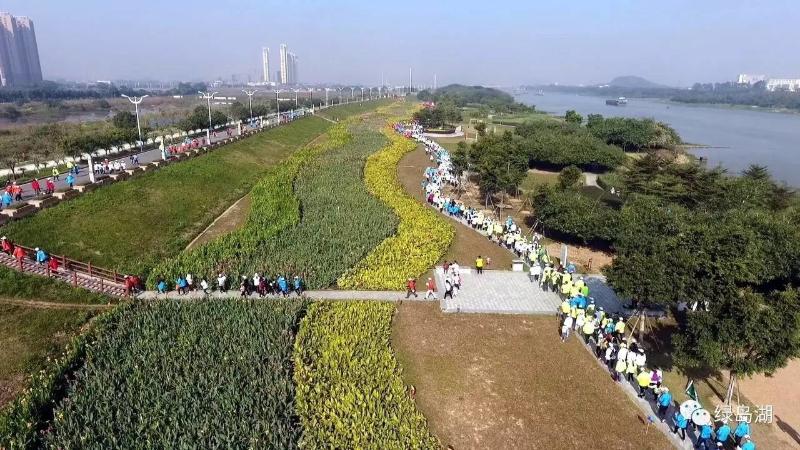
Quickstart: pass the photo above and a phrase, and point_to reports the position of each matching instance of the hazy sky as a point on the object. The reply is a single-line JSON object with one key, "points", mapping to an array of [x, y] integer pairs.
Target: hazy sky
{"points": [[674, 42]]}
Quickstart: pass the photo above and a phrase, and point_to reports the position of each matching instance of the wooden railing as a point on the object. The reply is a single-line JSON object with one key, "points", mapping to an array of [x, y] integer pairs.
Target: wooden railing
{"points": [[80, 267]]}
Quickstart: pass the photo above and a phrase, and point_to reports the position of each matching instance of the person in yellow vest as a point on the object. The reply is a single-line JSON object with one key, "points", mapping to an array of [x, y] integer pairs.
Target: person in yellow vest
{"points": [[619, 328], [643, 379], [566, 287], [565, 309], [631, 369], [479, 264], [619, 369], [573, 312], [579, 283], [588, 329], [545, 281], [574, 291], [566, 277]]}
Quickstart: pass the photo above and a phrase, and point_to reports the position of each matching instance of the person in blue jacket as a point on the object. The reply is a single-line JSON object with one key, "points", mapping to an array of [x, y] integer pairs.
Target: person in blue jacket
{"points": [[664, 400], [723, 433], [704, 441], [680, 424], [298, 285], [181, 284], [41, 256], [71, 180], [742, 430], [283, 286], [747, 443], [7, 199], [161, 286]]}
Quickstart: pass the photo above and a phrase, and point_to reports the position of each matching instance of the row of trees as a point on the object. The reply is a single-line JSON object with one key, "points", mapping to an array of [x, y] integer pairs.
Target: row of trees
{"points": [[442, 115], [689, 234], [460, 96]]}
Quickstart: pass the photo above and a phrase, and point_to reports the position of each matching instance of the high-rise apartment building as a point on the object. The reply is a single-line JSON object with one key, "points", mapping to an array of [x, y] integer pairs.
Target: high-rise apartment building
{"points": [[288, 66], [19, 53], [265, 64]]}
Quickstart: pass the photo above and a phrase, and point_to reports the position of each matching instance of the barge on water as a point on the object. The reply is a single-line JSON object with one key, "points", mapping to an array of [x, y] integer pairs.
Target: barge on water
{"points": [[622, 101]]}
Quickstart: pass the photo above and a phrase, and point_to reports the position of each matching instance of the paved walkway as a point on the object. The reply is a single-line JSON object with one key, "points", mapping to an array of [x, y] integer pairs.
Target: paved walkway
{"points": [[145, 157], [497, 291]]}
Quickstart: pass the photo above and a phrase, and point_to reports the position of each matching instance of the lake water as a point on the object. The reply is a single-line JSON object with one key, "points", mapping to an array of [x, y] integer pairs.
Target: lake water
{"points": [[742, 136]]}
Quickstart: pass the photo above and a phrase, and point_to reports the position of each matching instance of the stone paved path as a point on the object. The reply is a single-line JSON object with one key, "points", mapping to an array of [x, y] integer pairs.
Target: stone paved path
{"points": [[497, 291]]}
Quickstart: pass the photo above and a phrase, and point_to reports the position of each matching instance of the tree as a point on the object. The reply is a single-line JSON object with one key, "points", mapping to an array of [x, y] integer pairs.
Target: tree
{"points": [[569, 177], [239, 111], [480, 127], [747, 334], [124, 120], [573, 117]]}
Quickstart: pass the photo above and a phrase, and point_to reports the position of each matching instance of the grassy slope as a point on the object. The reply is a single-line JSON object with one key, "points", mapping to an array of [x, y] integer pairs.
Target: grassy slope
{"points": [[27, 336], [131, 225], [15, 285]]}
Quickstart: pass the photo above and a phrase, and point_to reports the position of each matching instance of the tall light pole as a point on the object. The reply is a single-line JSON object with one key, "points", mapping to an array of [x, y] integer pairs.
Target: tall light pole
{"points": [[340, 94], [136, 101], [278, 104], [352, 89], [296, 102], [326, 96], [362, 94], [250, 98], [208, 97]]}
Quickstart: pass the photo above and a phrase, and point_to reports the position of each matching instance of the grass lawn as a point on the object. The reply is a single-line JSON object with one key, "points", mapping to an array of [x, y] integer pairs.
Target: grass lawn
{"points": [[494, 381], [131, 225], [27, 336], [338, 113], [536, 178]]}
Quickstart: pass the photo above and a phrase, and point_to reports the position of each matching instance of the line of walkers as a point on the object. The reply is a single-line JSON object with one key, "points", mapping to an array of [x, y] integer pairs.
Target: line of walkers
{"points": [[261, 285], [626, 361]]}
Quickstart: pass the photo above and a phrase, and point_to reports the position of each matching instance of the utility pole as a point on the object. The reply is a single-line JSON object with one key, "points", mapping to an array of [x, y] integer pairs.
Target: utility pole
{"points": [[208, 98], [136, 101], [410, 80], [434, 82]]}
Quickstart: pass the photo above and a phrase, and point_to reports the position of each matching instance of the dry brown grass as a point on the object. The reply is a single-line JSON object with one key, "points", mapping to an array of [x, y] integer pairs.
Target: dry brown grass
{"points": [[503, 382]]}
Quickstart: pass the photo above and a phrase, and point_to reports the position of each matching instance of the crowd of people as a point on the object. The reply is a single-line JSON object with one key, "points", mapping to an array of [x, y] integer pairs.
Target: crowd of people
{"points": [[19, 253], [626, 361], [258, 284], [452, 283]]}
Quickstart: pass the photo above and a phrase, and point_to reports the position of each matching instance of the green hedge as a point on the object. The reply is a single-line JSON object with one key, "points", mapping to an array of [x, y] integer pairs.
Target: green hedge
{"points": [[573, 216], [349, 392]]}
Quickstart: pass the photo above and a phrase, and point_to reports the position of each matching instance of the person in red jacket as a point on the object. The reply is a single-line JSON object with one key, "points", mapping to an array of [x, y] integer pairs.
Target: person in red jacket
{"points": [[19, 253], [431, 289], [52, 264], [36, 188], [411, 285], [6, 245], [50, 187]]}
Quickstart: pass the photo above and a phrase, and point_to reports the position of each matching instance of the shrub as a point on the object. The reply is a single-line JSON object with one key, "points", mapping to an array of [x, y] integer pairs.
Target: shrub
{"points": [[569, 177], [572, 215], [349, 392], [422, 236]]}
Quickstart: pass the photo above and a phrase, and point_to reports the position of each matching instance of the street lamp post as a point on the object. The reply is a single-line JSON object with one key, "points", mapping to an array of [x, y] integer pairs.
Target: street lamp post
{"points": [[136, 101], [362, 95], [208, 97], [351, 93], [340, 94], [278, 104], [326, 97], [250, 98]]}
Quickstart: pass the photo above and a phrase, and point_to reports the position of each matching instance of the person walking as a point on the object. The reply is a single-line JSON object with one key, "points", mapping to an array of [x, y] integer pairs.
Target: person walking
{"points": [[742, 430], [204, 286], [70, 180], [430, 287], [37, 188], [680, 424], [535, 272], [723, 434], [19, 253], [411, 287], [161, 286], [222, 282], [49, 186], [41, 256], [565, 328], [448, 288], [704, 441], [643, 380], [55, 173], [479, 265]]}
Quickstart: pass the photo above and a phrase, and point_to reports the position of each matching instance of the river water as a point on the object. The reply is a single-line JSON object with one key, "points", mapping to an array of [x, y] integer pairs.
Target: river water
{"points": [[740, 137]]}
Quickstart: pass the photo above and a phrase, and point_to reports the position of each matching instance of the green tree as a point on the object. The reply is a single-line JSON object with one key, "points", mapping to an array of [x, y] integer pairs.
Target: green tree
{"points": [[480, 127], [124, 120], [573, 117], [746, 334], [569, 177]]}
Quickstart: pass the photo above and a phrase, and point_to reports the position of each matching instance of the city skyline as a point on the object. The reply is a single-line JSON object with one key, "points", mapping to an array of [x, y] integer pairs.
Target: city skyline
{"points": [[19, 53], [586, 43]]}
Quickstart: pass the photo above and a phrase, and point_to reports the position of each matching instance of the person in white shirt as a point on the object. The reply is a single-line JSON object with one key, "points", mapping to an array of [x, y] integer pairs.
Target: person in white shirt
{"points": [[204, 286], [566, 328], [536, 272], [221, 280]]}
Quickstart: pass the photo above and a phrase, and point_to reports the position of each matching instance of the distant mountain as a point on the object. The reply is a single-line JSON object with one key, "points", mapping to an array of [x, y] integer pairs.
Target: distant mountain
{"points": [[631, 81]]}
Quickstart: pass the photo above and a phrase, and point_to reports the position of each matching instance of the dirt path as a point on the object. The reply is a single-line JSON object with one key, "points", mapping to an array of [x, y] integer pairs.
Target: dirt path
{"points": [[468, 243], [228, 221], [781, 391], [51, 305]]}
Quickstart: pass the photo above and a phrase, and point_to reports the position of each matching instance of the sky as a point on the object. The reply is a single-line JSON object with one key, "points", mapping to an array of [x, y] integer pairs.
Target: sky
{"points": [[674, 42]]}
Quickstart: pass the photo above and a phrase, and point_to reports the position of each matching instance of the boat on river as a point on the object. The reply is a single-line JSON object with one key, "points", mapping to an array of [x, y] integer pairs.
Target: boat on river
{"points": [[621, 101]]}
